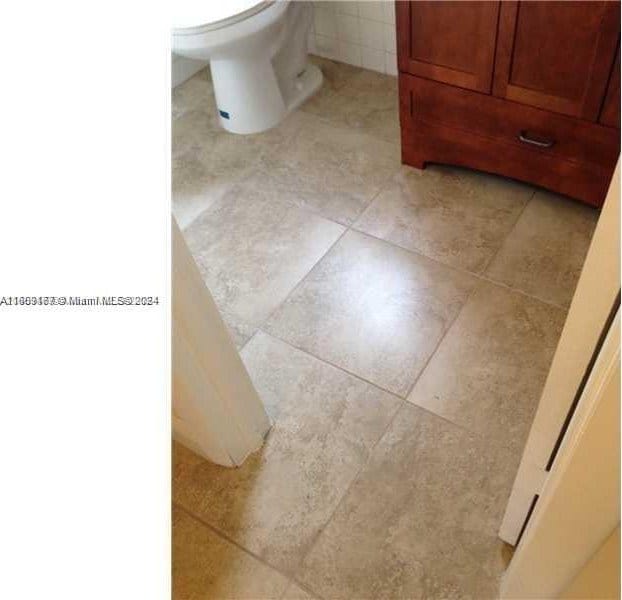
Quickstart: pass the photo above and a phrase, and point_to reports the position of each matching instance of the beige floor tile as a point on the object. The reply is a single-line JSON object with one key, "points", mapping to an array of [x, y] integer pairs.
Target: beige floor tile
{"points": [[195, 187], [336, 76], [195, 93], [373, 309], [325, 424], [252, 247], [199, 131], [334, 171], [207, 567], [239, 330], [488, 372], [420, 520], [207, 160], [360, 99], [456, 216], [544, 254], [295, 592]]}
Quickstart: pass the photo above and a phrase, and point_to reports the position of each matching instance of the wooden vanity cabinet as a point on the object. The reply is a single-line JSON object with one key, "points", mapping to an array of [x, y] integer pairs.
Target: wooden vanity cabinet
{"points": [[530, 90]]}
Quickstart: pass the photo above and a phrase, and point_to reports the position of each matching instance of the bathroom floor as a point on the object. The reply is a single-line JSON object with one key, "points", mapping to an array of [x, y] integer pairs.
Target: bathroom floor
{"points": [[398, 324]]}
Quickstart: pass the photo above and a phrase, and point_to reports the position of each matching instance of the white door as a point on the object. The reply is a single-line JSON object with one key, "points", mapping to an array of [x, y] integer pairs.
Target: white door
{"points": [[591, 312], [216, 410], [579, 507]]}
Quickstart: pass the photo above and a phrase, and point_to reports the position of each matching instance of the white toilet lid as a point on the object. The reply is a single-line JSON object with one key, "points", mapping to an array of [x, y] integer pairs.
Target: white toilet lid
{"points": [[214, 14]]}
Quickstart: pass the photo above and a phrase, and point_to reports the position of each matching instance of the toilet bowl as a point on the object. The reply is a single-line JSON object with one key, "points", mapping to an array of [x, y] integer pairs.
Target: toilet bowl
{"points": [[257, 54]]}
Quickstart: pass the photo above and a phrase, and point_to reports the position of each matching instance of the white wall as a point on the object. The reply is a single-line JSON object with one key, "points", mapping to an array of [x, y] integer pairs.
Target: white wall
{"points": [[357, 33]]}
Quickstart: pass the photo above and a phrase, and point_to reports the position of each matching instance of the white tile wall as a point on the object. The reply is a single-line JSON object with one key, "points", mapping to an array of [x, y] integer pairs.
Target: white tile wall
{"points": [[357, 33]]}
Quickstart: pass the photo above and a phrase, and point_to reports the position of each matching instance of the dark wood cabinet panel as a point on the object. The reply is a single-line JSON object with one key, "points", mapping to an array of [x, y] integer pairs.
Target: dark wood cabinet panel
{"points": [[446, 124], [526, 89], [610, 113], [556, 55], [450, 42]]}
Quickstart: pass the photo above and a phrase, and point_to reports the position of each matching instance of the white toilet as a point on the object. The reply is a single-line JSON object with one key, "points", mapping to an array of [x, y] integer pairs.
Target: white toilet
{"points": [[257, 54]]}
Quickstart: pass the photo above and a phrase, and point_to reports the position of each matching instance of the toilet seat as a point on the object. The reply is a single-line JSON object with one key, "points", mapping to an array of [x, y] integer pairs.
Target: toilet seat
{"points": [[202, 17]]}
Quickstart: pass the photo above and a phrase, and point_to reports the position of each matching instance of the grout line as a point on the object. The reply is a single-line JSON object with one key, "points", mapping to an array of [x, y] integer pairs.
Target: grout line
{"points": [[335, 366], [518, 218], [479, 276], [403, 400], [304, 277], [230, 540], [440, 341], [346, 491], [522, 293], [246, 342], [302, 586]]}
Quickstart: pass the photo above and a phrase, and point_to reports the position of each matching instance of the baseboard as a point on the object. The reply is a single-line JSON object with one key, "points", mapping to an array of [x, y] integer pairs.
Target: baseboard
{"points": [[184, 68]]}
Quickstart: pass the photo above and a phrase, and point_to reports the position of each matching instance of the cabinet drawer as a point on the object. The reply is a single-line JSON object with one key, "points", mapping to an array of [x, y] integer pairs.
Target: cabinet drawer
{"points": [[529, 128]]}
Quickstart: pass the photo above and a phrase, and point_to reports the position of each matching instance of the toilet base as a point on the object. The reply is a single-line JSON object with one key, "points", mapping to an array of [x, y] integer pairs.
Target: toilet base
{"points": [[248, 95]]}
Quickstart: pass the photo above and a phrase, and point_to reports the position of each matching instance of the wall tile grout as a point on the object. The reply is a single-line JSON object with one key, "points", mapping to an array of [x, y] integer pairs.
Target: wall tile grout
{"points": [[364, 39]]}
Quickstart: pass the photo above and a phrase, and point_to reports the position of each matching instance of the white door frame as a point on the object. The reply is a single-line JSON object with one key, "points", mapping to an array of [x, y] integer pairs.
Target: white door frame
{"points": [[216, 410], [579, 508], [595, 298]]}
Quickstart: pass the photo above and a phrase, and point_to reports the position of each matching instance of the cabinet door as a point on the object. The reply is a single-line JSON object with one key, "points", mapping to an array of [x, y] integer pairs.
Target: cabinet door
{"points": [[557, 55], [450, 42], [610, 113]]}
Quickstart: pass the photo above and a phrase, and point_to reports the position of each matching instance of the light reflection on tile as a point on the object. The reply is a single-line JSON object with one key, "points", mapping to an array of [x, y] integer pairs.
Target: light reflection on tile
{"points": [[373, 309]]}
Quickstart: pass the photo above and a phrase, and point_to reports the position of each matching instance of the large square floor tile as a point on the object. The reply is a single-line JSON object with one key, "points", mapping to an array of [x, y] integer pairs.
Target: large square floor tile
{"points": [[207, 160], [373, 309], [488, 372], [456, 216], [543, 255], [325, 424], [206, 566], [332, 170], [360, 99], [252, 247], [420, 521]]}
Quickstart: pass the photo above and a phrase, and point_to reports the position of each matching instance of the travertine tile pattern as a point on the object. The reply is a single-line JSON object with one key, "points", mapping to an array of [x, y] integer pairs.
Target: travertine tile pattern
{"points": [[194, 94], [205, 566], [544, 254], [295, 592], [332, 170], [417, 522], [489, 370], [325, 424], [373, 309], [456, 216], [367, 102], [206, 160], [252, 247], [398, 325]]}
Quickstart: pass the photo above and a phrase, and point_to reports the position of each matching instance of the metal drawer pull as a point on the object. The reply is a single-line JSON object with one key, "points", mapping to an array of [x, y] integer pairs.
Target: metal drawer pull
{"points": [[540, 143]]}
